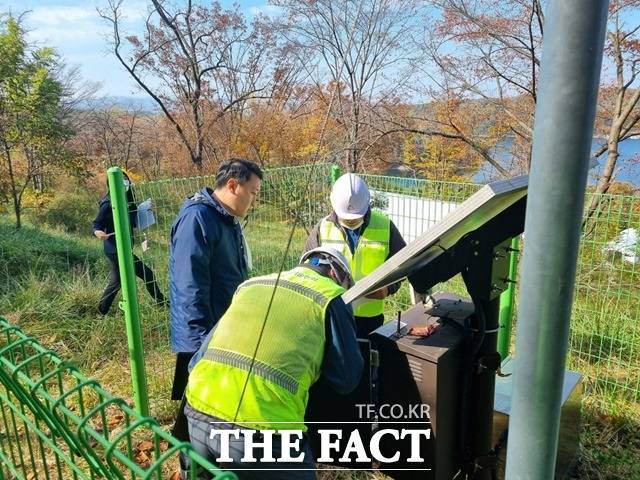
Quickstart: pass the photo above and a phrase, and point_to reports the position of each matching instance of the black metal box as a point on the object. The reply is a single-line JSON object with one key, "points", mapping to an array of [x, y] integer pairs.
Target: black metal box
{"points": [[425, 370]]}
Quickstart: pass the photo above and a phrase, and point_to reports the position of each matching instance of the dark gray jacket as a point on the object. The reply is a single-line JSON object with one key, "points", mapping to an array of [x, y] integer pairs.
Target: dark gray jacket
{"points": [[104, 222]]}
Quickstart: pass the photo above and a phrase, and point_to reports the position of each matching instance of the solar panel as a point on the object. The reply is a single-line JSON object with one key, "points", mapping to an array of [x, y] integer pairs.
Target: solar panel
{"points": [[485, 205]]}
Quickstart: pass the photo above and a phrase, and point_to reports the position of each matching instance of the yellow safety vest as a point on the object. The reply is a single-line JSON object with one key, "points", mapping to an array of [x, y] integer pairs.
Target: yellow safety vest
{"points": [[288, 360], [371, 252]]}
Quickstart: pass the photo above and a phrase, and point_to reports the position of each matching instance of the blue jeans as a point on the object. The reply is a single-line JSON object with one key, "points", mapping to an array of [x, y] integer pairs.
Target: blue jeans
{"points": [[199, 432]]}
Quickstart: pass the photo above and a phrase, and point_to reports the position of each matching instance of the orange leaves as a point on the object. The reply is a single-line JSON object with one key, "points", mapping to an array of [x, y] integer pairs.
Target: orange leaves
{"points": [[114, 420], [277, 134], [144, 452], [142, 459], [144, 445]]}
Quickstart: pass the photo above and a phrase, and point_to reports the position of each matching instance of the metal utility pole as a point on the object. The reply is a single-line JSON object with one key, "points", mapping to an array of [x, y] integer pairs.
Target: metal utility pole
{"points": [[569, 78]]}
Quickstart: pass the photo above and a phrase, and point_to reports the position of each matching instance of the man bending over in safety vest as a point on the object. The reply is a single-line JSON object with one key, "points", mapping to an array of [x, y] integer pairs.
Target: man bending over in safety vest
{"points": [[366, 237], [309, 334]]}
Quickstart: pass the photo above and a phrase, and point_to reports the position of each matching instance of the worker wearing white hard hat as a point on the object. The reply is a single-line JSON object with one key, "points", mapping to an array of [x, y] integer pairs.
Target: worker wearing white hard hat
{"points": [[366, 238], [350, 197]]}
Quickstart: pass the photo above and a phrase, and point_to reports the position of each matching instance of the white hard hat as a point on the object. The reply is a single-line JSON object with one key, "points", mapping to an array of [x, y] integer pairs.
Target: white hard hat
{"points": [[350, 197], [330, 256]]}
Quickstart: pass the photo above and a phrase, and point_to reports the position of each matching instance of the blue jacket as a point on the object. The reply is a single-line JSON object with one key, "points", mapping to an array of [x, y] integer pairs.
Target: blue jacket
{"points": [[206, 265]]}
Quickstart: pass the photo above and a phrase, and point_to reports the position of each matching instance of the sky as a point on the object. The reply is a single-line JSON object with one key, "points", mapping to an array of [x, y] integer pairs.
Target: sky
{"points": [[79, 35]]}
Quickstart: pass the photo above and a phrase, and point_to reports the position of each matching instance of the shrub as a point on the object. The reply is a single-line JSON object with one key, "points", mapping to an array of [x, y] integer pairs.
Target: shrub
{"points": [[71, 212]]}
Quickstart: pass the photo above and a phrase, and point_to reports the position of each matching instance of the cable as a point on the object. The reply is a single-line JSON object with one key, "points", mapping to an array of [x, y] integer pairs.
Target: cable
{"points": [[295, 224]]}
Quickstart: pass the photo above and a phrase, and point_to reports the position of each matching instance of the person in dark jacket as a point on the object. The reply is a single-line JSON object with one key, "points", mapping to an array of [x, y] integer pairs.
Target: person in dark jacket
{"points": [[103, 229], [208, 259]]}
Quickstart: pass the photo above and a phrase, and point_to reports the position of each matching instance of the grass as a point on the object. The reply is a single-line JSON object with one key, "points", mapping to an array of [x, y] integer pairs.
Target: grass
{"points": [[50, 284], [610, 440]]}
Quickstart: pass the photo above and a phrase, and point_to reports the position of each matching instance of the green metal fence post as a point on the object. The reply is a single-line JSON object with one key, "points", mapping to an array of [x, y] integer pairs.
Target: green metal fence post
{"points": [[335, 173], [506, 303], [129, 301]]}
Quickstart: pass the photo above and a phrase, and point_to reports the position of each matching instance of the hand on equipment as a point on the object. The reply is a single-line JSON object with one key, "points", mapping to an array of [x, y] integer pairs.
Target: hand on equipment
{"points": [[379, 294]]}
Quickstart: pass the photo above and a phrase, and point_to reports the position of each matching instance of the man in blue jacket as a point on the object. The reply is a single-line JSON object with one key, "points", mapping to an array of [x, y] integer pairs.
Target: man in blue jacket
{"points": [[208, 259]]}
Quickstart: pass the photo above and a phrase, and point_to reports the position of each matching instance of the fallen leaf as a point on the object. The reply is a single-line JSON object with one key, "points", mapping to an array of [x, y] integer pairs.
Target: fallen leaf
{"points": [[114, 420], [144, 446], [142, 459]]}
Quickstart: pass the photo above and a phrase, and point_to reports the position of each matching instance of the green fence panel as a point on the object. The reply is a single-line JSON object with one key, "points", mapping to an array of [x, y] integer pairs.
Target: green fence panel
{"points": [[57, 424], [605, 333], [604, 343]]}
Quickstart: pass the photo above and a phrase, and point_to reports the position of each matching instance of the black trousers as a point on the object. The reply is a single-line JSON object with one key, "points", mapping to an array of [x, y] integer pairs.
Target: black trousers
{"points": [[142, 271], [180, 379]]}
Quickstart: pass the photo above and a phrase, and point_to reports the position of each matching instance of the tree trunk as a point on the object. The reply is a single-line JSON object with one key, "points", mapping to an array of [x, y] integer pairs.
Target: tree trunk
{"points": [[354, 159], [17, 210], [197, 156], [14, 191], [605, 180], [35, 167]]}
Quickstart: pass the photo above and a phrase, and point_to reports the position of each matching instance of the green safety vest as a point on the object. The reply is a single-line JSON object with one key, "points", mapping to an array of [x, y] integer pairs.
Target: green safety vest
{"points": [[288, 360], [371, 252]]}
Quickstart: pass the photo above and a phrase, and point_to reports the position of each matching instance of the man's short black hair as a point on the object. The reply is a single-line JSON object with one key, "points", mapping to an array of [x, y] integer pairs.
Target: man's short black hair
{"points": [[237, 168]]}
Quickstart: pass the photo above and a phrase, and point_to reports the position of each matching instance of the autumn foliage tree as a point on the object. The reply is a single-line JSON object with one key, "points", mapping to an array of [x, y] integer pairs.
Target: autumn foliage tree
{"points": [[199, 64], [486, 54], [490, 50], [361, 47], [619, 113], [32, 133], [279, 136], [112, 135]]}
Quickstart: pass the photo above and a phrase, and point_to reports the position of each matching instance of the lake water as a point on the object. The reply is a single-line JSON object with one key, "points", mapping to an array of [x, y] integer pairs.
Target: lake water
{"points": [[627, 168]]}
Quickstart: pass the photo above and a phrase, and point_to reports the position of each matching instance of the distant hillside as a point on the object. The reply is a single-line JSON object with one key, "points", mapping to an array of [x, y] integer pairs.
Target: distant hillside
{"points": [[144, 104]]}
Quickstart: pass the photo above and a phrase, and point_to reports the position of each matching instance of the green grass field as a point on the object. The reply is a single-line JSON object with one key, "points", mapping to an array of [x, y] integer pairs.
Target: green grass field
{"points": [[50, 284]]}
